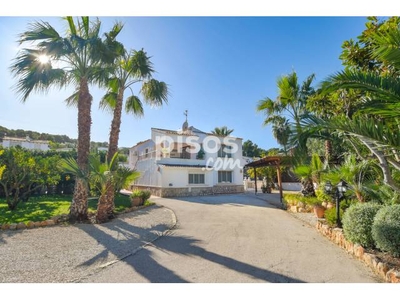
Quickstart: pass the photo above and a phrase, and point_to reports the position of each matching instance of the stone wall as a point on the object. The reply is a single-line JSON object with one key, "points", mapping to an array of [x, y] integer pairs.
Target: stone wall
{"points": [[379, 267], [191, 191]]}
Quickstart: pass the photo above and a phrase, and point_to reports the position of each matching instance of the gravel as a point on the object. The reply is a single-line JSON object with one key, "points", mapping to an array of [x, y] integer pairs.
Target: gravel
{"points": [[72, 252]]}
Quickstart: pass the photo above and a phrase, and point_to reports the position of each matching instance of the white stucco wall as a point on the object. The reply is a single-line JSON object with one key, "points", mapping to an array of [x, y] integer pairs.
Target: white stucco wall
{"points": [[154, 174], [179, 177]]}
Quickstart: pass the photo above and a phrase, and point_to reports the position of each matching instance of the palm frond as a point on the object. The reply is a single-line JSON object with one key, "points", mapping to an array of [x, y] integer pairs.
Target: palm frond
{"points": [[108, 102], [134, 106], [155, 92], [388, 88], [72, 101], [139, 64], [70, 165], [388, 46]]}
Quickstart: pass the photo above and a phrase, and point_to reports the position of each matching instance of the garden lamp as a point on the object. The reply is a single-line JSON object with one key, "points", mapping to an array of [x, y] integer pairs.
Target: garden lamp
{"points": [[341, 189], [328, 187]]}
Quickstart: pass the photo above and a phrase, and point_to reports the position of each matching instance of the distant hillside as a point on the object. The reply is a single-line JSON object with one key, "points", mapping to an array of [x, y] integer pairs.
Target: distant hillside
{"points": [[58, 140]]}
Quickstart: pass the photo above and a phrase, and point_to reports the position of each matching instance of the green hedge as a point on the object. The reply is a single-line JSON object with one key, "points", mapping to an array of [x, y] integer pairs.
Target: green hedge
{"points": [[357, 223], [386, 229]]}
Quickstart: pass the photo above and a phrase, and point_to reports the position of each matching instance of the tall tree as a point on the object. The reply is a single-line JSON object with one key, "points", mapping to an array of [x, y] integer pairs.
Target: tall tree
{"points": [[290, 102], [79, 58], [281, 131], [222, 131], [131, 68]]}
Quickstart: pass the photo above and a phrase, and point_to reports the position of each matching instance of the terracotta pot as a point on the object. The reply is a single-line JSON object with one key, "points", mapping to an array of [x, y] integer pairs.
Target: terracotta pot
{"points": [[319, 211], [137, 201]]}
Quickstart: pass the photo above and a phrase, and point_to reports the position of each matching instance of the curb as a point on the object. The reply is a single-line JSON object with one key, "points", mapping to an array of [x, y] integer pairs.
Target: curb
{"points": [[376, 265]]}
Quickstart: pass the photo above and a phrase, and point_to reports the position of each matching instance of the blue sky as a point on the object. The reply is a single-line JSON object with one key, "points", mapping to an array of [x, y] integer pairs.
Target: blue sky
{"points": [[216, 67]]}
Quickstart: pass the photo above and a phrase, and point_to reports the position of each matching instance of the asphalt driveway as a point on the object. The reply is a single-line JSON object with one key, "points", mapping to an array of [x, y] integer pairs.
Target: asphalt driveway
{"points": [[236, 238]]}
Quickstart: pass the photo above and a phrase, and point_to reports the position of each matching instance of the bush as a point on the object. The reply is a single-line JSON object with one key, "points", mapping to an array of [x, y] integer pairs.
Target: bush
{"points": [[143, 195], [322, 196], [386, 229], [345, 204], [330, 216], [357, 223], [293, 199]]}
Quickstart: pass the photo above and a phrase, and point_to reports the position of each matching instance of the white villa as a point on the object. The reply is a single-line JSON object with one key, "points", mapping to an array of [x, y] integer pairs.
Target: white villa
{"points": [[188, 162], [26, 143]]}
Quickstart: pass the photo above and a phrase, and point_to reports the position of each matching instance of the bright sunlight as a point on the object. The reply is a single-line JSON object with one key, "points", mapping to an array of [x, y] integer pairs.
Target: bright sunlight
{"points": [[43, 59]]}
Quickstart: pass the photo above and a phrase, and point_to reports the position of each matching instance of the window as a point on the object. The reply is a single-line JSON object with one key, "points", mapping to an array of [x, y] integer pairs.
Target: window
{"points": [[146, 153], [224, 176], [196, 179], [225, 151]]}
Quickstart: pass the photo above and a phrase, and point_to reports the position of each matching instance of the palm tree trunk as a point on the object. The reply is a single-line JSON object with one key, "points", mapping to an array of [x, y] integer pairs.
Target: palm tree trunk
{"points": [[328, 150], [383, 163], [115, 126], [104, 206], [113, 148], [78, 209]]}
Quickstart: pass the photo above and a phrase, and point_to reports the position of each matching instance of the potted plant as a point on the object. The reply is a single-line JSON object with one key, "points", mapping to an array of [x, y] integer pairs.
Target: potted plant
{"points": [[138, 197]]}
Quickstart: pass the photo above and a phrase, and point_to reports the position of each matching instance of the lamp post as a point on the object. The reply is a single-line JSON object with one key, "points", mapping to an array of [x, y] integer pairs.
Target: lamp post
{"points": [[341, 189], [339, 195]]}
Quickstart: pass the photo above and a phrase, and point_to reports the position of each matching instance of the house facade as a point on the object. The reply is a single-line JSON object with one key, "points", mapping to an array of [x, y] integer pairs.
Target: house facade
{"points": [[26, 143], [188, 162]]}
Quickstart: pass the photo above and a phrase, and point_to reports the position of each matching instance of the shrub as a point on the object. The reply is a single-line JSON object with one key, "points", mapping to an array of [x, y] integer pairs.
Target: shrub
{"points": [[322, 196], [293, 199], [357, 223], [386, 229], [311, 201], [143, 195], [345, 204], [330, 216]]}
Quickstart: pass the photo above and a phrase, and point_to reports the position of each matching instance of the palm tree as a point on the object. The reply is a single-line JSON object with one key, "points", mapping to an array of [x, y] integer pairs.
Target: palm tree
{"points": [[104, 177], [222, 131], [281, 131], [78, 58], [129, 69], [356, 174], [291, 100], [108, 178], [310, 174]]}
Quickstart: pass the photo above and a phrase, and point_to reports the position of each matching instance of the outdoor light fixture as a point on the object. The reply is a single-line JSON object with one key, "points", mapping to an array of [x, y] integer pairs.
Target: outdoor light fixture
{"points": [[328, 187], [340, 190], [342, 187]]}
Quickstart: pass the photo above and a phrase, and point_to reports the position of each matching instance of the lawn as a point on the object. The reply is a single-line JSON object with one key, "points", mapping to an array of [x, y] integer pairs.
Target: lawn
{"points": [[45, 207]]}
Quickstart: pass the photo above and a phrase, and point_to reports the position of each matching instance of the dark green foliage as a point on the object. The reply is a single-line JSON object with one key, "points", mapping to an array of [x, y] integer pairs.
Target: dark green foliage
{"points": [[386, 229], [250, 149], [142, 194], [25, 173], [357, 223], [330, 216]]}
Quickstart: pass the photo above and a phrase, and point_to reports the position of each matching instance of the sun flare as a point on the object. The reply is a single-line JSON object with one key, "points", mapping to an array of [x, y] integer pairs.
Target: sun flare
{"points": [[43, 59]]}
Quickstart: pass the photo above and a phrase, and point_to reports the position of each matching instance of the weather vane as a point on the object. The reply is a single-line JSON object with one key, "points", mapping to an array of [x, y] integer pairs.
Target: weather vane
{"points": [[186, 114]]}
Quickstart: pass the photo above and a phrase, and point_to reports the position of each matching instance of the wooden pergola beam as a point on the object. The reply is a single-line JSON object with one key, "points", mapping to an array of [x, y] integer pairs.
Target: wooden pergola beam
{"points": [[268, 161]]}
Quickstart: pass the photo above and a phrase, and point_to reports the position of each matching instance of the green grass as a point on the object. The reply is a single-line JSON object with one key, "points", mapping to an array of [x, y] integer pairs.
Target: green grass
{"points": [[45, 207]]}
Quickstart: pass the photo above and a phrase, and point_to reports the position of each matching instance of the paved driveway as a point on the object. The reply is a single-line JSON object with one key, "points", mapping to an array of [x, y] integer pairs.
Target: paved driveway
{"points": [[236, 238]]}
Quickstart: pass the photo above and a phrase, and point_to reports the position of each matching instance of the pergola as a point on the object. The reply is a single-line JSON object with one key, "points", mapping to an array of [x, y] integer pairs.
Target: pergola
{"points": [[269, 161]]}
